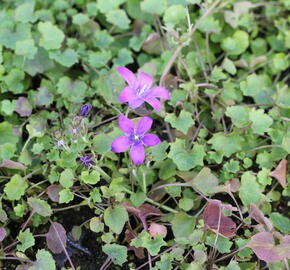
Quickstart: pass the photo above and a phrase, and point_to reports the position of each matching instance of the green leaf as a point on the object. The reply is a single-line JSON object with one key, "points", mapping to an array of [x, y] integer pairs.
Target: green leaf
{"points": [[205, 181], [15, 188], [217, 75], [74, 91], [223, 245], [51, 36], [124, 58], [209, 24], [249, 191], [14, 80], [186, 160], [116, 252], [80, 19], [182, 123], [153, 6], [44, 261], [239, 115], [92, 177], [6, 134], [153, 245], [229, 66], [182, 225], [116, 218], [96, 225], [7, 106], [66, 178], [24, 12], [236, 44], [280, 222], [26, 239], [40, 207], [159, 151], [118, 18], [99, 59], [260, 121], [175, 14], [67, 58], [226, 145], [26, 48], [65, 196], [279, 62], [107, 5]]}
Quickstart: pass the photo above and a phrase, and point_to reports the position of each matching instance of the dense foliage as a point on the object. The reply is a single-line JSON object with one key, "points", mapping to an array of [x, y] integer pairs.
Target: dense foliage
{"points": [[209, 191]]}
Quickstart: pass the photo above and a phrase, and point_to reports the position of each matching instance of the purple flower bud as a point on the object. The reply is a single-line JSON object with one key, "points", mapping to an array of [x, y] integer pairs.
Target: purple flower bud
{"points": [[85, 110], [86, 160]]}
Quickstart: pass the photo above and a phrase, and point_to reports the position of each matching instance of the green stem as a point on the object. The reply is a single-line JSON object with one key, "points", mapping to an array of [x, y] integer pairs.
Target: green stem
{"points": [[103, 173]]}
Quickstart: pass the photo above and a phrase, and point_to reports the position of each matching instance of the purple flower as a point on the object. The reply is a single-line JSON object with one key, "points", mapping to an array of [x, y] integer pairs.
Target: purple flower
{"points": [[135, 138], [139, 90], [86, 160], [85, 110]]}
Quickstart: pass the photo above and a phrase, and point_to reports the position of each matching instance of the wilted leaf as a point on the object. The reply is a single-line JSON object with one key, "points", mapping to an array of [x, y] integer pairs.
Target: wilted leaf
{"points": [[2, 234], [256, 214], [155, 229], [53, 192], [56, 238], [10, 164], [280, 173], [216, 221], [23, 107]]}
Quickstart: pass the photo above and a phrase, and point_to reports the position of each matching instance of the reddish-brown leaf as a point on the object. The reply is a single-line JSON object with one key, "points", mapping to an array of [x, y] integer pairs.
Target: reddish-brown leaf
{"points": [[263, 244], [156, 229], [53, 192], [129, 236], [280, 173], [216, 221], [56, 238], [256, 214], [10, 164]]}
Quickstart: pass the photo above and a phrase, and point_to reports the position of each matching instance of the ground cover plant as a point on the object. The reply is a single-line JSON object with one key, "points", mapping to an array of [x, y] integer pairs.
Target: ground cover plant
{"points": [[144, 134]]}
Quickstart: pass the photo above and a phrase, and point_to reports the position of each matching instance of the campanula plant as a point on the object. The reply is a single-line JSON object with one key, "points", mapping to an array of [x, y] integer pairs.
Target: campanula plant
{"points": [[135, 138], [139, 90]]}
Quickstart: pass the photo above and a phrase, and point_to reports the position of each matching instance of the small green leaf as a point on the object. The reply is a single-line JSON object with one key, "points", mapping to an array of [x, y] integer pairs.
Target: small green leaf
{"points": [[236, 44], [182, 225], [260, 121], [239, 115], [116, 252], [65, 196], [66, 178], [116, 218], [40, 207], [229, 66], [118, 18], [15, 188], [24, 12], [92, 177], [153, 245], [44, 261], [51, 36], [96, 225], [80, 19], [67, 58], [249, 191], [223, 245], [183, 122], [99, 59], [280, 222], [26, 48], [175, 14], [153, 6], [26, 239], [226, 145]]}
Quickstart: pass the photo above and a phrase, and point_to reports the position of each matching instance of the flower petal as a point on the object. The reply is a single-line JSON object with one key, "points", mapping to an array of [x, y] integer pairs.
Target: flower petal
{"points": [[150, 139], [127, 75], [120, 144], [144, 80], [133, 104], [160, 92], [137, 153], [144, 125], [155, 103], [127, 94], [126, 125]]}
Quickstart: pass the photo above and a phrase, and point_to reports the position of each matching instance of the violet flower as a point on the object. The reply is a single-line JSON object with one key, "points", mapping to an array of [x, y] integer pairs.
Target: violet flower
{"points": [[135, 138], [139, 90], [85, 109], [86, 160]]}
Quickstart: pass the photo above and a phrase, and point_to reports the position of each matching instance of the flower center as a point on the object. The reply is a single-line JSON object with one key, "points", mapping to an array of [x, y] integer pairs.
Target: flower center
{"points": [[141, 92], [137, 137]]}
